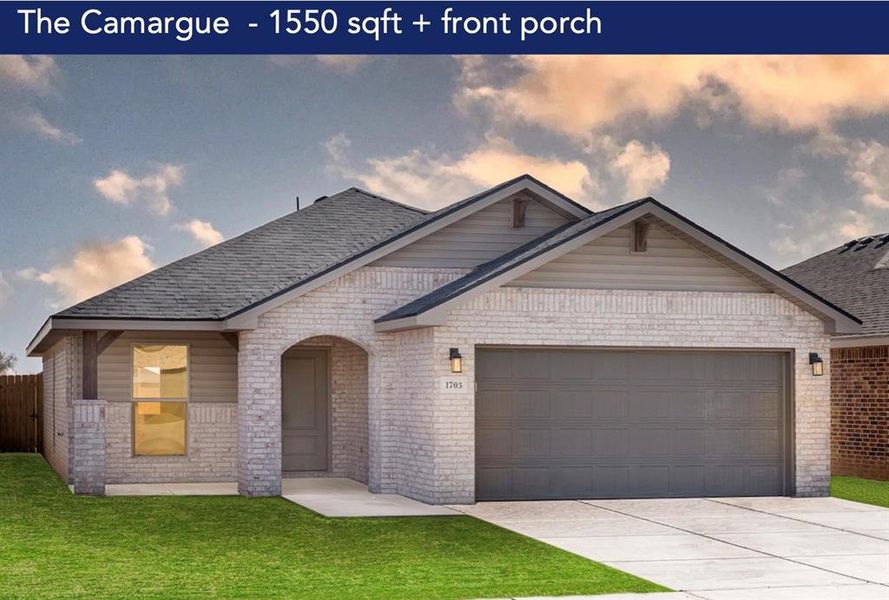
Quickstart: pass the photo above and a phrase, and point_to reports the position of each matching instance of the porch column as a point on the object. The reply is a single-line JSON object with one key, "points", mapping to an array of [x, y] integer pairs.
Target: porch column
{"points": [[87, 419], [259, 417]]}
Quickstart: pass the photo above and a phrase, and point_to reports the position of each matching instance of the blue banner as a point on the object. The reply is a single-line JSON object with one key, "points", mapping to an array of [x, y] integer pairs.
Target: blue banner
{"points": [[444, 27]]}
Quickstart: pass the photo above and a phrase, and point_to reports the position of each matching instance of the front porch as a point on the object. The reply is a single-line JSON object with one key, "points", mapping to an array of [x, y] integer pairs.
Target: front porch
{"points": [[327, 496]]}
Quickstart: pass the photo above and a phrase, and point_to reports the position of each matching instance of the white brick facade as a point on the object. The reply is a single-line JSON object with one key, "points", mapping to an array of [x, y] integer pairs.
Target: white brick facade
{"points": [[393, 427], [421, 441]]}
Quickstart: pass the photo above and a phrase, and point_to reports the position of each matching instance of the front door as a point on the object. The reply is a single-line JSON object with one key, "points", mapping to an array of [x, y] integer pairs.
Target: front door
{"points": [[304, 410]]}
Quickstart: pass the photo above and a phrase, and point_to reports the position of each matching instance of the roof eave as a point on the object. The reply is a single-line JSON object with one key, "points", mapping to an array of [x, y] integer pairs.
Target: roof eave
{"points": [[56, 327]]}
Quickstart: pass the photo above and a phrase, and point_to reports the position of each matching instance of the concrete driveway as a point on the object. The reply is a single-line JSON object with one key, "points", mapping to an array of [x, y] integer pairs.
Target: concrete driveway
{"points": [[721, 549]]}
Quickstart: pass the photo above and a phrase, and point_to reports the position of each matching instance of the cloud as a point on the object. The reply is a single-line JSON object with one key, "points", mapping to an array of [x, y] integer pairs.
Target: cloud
{"points": [[432, 180], [202, 231], [95, 268], [787, 183], [342, 63], [643, 169], [30, 72], [34, 121], [575, 95], [868, 168], [151, 189], [818, 231], [337, 147], [5, 290]]}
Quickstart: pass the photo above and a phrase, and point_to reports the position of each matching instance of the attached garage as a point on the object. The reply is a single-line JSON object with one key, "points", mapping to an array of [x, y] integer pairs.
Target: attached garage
{"points": [[582, 423]]}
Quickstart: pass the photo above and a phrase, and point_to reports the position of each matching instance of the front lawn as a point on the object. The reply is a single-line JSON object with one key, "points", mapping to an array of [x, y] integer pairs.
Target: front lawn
{"points": [[54, 544], [869, 491]]}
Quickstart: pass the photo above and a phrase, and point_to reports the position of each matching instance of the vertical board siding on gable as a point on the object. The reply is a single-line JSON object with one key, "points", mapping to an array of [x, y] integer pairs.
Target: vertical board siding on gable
{"points": [[213, 366], [669, 264], [476, 239]]}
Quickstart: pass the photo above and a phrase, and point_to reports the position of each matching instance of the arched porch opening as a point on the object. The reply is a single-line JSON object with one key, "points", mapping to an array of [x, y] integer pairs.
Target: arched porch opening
{"points": [[324, 409]]}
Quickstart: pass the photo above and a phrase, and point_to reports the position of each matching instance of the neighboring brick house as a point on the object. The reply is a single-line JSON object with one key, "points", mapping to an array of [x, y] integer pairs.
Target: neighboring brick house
{"points": [[510, 345], [856, 277]]}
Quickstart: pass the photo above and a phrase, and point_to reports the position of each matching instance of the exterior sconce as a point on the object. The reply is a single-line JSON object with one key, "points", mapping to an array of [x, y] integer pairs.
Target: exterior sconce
{"points": [[456, 361], [817, 364]]}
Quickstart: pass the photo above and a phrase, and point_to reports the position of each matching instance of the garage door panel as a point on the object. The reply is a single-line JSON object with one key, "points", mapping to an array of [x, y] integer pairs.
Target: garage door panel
{"points": [[650, 442], [688, 480], [572, 443], [687, 441], [609, 403], [590, 424], [611, 482], [572, 404], [611, 442]]}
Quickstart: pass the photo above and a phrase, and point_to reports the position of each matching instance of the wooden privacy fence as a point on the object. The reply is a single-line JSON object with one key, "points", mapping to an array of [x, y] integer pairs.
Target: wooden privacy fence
{"points": [[20, 413]]}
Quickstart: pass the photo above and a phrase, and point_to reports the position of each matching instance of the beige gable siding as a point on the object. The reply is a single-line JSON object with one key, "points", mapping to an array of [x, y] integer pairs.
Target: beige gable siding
{"points": [[608, 263], [213, 366], [476, 239]]}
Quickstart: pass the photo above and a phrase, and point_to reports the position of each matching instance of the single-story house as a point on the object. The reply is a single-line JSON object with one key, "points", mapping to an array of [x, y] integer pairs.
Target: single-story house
{"points": [[513, 345], [855, 276]]}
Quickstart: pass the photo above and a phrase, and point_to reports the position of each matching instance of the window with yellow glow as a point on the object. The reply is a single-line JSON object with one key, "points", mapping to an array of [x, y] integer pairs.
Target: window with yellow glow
{"points": [[160, 375], [160, 371], [159, 428]]}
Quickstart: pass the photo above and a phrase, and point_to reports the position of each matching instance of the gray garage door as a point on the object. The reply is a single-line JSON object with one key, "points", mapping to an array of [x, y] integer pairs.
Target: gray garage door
{"points": [[629, 424]]}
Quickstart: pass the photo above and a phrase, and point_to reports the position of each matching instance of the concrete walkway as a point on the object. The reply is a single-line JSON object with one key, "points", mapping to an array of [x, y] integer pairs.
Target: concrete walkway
{"points": [[720, 549], [335, 497], [328, 496]]}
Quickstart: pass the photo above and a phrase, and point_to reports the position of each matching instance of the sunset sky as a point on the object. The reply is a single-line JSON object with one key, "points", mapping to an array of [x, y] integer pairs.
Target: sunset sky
{"points": [[114, 165]]}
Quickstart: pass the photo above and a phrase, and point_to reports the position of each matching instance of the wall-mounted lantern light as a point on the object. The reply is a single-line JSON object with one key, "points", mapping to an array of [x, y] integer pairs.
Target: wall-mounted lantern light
{"points": [[817, 364], [456, 361]]}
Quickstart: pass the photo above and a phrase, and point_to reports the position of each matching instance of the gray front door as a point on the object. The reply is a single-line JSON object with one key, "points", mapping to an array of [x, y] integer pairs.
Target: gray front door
{"points": [[304, 410], [572, 423]]}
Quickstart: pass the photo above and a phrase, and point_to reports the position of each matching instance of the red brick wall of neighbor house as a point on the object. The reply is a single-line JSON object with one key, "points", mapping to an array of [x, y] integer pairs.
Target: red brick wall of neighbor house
{"points": [[859, 382]]}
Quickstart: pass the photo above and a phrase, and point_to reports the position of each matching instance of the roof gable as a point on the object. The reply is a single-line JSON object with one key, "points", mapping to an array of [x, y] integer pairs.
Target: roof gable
{"points": [[432, 309], [609, 262], [479, 237]]}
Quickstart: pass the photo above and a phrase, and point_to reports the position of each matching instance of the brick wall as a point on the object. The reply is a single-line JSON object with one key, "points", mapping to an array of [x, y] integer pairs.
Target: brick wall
{"points": [[211, 446], [860, 411], [398, 388], [526, 316], [421, 440], [56, 365]]}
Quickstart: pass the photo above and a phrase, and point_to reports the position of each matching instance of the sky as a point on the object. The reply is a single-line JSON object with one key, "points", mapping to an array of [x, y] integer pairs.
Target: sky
{"points": [[112, 166]]}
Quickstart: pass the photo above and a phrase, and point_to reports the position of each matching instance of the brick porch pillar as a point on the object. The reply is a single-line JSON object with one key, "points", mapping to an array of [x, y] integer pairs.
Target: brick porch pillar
{"points": [[87, 467], [259, 418]]}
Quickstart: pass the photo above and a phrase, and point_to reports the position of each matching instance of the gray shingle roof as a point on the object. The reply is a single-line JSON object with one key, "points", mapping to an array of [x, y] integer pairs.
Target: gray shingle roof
{"points": [[239, 272], [509, 260], [855, 278]]}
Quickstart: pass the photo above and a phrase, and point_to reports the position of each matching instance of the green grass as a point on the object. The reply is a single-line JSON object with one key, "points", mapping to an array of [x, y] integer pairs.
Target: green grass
{"points": [[869, 491], [57, 545]]}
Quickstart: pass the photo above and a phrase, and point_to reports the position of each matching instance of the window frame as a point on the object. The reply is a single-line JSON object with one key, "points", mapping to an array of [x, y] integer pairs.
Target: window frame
{"points": [[135, 401]]}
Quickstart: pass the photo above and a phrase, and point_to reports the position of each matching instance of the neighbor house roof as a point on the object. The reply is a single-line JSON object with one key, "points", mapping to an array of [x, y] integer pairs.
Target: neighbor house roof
{"points": [[854, 276]]}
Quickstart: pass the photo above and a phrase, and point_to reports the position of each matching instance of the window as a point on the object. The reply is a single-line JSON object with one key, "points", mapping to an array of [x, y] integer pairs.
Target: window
{"points": [[159, 428], [160, 371], [160, 391]]}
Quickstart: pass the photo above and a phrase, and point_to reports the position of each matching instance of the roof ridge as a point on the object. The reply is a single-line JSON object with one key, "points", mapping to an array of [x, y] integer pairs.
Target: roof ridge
{"points": [[389, 200]]}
